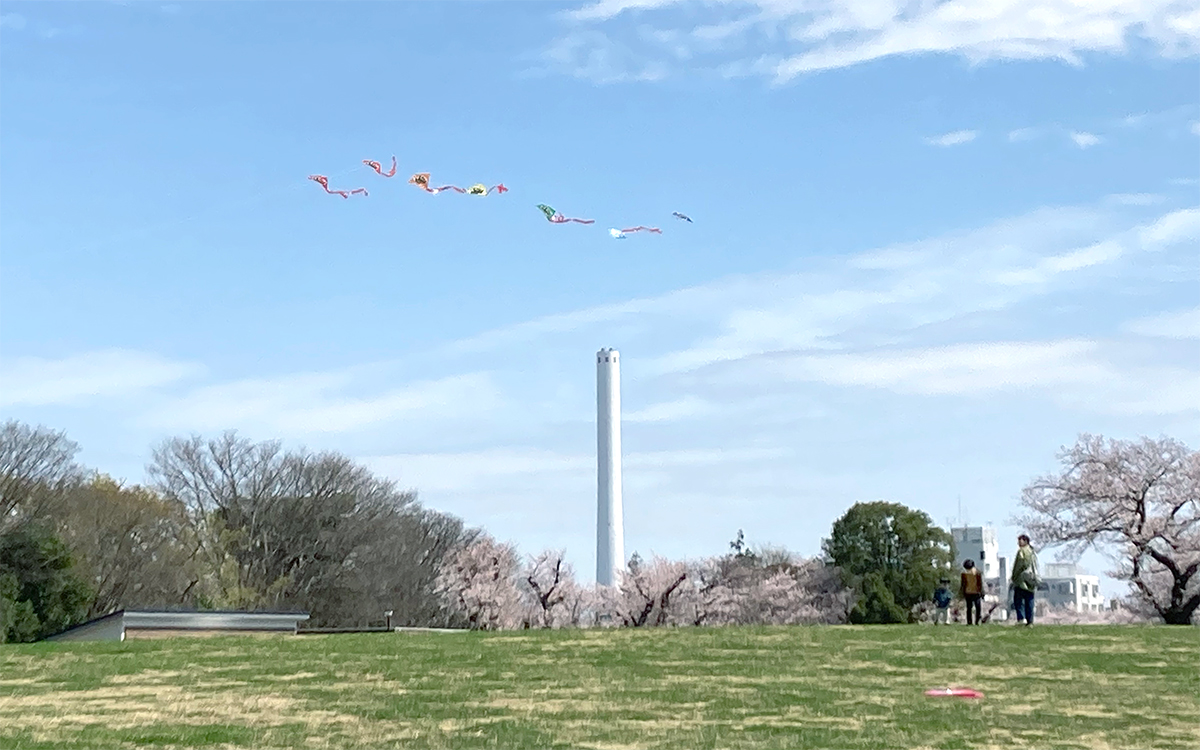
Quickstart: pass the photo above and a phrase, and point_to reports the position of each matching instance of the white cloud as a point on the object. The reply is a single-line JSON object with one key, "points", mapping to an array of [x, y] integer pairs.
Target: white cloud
{"points": [[603, 10], [669, 411], [113, 373], [1135, 199], [952, 139], [1044, 269], [321, 403], [1181, 324], [1195, 128], [1085, 140], [1175, 227], [972, 369], [1023, 134], [461, 471], [818, 35], [487, 469], [593, 56], [14, 21]]}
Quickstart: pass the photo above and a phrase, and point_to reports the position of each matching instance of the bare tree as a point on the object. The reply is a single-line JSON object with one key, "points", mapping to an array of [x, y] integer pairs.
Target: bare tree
{"points": [[133, 546], [407, 559], [297, 529], [1139, 502], [36, 467], [478, 583]]}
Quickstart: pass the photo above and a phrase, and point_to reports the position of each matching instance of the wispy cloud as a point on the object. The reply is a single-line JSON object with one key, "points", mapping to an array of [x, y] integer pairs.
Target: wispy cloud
{"points": [[323, 402], [783, 39], [670, 411], [593, 56], [1180, 324], [1172, 228], [14, 21], [113, 373], [962, 369], [1135, 199], [1084, 139], [953, 139], [1023, 134]]}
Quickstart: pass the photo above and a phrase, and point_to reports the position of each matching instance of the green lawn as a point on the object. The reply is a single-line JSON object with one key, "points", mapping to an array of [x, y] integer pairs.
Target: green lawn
{"points": [[1092, 687]]}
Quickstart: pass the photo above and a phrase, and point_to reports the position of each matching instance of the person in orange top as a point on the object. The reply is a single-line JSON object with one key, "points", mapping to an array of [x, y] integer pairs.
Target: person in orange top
{"points": [[971, 589]]}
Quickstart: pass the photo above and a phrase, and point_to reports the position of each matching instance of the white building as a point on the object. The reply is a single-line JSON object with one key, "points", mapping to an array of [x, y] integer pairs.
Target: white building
{"points": [[1065, 585], [979, 543]]}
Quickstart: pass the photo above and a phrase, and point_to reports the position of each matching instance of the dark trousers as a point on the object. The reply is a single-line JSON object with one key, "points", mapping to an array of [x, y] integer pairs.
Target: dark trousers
{"points": [[1023, 603], [974, 606]]}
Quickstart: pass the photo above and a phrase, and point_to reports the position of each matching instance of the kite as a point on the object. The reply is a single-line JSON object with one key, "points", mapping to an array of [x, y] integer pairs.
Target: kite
{"points": [[554, 217], [379, 167], [479, 189], [421, 180], [323, 181], [619, 234], [678, 215], [957, 692]]}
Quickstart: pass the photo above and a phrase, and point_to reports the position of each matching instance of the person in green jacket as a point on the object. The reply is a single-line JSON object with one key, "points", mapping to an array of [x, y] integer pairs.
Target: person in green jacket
{"points": [[1024, 580]]}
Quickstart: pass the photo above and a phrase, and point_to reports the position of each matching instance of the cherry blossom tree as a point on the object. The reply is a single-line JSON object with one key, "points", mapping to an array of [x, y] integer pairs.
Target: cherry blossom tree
{"points": [[1139, 501], [770, 587], [553, 599], [648, 594], [479, 583]]}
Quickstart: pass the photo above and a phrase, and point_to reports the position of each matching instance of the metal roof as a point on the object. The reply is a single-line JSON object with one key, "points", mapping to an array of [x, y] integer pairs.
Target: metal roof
{"points": [[214, 620], [198, 620]]}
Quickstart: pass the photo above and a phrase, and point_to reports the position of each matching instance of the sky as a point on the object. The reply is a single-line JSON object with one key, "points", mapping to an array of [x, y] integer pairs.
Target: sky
{"points": [[933, 243]]}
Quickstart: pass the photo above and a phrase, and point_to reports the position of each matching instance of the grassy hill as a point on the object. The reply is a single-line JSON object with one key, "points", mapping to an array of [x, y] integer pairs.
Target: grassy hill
{"points": [[1092, 687]]}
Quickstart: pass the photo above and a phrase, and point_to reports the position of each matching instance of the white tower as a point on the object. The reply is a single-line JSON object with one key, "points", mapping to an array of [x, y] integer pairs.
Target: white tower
{"points": [[610, 536]]}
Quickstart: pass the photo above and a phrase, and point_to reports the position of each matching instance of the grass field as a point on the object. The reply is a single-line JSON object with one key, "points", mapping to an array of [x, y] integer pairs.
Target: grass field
{"points": [[1093, 687]]}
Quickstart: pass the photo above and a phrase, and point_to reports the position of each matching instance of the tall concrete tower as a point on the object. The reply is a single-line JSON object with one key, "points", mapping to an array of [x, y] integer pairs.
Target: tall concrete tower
{"points": [[610, 535]]}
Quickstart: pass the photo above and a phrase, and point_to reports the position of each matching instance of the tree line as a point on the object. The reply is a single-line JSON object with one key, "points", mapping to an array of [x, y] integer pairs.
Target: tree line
{"points": [[223, 524], [226, 523]]}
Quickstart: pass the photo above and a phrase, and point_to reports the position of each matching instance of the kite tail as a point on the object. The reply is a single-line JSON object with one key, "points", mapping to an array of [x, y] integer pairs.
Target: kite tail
{"points": [[356, 191], [455, 188], [497, 188], [582, 221], [391, 172]]}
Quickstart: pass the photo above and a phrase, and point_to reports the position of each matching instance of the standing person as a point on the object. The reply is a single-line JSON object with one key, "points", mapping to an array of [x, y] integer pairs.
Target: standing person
{"points": [[971, 589], [942, 598], [1024, 580]]}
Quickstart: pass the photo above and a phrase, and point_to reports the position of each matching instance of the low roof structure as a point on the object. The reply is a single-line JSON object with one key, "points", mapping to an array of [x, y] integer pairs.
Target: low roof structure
{"points": [[137, 624]]}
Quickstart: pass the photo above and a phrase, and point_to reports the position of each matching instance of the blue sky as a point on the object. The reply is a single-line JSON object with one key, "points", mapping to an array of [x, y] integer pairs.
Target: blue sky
{"points": [[933, 243]]}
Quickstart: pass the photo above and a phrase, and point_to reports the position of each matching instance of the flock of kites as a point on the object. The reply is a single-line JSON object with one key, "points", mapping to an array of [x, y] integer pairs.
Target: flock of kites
{"points": [[421, 180]]}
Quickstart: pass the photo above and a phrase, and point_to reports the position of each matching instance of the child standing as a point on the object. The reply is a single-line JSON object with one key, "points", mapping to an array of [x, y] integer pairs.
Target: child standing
{"points": [[942, 598], [971, 589]]}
